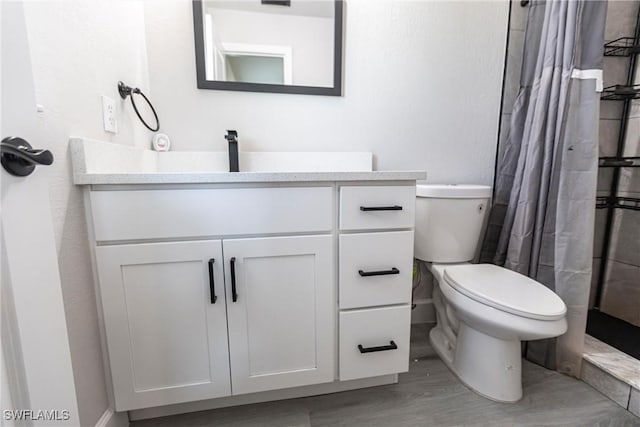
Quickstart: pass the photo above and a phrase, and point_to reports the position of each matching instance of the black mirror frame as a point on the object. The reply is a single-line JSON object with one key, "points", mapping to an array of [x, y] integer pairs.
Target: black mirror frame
{"points": [[203, 83]]}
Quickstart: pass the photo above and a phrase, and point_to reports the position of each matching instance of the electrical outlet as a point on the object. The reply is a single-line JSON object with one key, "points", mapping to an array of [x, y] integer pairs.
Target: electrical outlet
{"points": [[109, 114]]}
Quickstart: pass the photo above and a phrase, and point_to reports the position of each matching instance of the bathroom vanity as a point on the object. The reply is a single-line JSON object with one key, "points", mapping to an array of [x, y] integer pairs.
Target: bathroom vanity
{"points": [[233, 288]]}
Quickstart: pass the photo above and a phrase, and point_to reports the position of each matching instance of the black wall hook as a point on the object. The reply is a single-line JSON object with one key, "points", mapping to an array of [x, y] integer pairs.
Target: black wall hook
{"points": [[125, 91]]}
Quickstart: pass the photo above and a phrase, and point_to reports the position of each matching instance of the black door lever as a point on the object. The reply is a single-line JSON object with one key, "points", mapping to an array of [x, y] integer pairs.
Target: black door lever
{"points": [[19, 158]]}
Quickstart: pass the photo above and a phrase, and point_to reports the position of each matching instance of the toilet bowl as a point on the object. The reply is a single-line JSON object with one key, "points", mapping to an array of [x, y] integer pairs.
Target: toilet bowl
{"points": [[489, 322], [483, 311]]}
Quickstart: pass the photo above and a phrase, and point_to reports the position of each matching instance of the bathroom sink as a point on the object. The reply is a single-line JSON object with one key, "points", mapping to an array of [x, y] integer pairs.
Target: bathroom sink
{"points": [[98, 157], [103, 163], [260, 161]]}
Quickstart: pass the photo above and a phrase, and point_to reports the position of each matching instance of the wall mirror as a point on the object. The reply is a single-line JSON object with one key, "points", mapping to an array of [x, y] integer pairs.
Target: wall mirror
{"points": [[282, 46]]}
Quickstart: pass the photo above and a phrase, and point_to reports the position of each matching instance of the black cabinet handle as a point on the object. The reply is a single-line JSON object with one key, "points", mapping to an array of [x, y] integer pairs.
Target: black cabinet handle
{"points": [[378, 273], [392, 346], [380, 208], [212, 285], [234, 294]]}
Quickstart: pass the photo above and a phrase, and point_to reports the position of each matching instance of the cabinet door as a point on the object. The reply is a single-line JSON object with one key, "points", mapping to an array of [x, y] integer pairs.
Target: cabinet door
{"points": [[282, 323], [167, 341]]}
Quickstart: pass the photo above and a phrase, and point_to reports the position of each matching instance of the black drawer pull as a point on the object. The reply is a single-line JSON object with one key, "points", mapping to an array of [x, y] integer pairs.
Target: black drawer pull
{"points": [[380, 208], [212, 285], [234, 293], [391, 346], [378, 273]]}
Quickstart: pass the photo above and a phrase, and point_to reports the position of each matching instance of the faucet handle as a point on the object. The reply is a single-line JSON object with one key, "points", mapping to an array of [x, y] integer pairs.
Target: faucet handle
{"points": [[231, 135]]}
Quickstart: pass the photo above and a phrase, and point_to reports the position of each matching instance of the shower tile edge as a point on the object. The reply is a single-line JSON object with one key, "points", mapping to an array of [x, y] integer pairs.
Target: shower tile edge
{"points": [[612, 361], [611, 387], [634, 402]]}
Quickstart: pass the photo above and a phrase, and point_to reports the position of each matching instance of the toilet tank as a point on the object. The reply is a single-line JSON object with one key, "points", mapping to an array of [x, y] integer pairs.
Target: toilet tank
{"points": [[449, 221]]}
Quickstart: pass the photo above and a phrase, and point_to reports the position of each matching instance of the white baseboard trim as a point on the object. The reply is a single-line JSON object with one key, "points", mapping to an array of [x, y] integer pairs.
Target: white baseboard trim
{"points": [[267, 396], [113, 419], [423, 312]]}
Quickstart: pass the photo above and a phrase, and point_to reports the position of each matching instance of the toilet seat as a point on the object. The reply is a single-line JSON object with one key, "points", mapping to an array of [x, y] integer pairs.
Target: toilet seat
{"points": [[505, 290]]}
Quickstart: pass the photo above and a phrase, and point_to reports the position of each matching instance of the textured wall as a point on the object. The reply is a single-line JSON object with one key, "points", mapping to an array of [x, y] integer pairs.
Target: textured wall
{"points": [[79, 51], [422, 90], [517, 22]]}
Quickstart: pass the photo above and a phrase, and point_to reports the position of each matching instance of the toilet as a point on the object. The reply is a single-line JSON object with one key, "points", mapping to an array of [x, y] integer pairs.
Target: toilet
{"points": [[483, 311]]}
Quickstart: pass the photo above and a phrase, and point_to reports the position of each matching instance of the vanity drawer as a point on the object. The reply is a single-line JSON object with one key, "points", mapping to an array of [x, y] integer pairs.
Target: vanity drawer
{"points": [[184, 213], [375, 269], [368, 338], [376, 207]]}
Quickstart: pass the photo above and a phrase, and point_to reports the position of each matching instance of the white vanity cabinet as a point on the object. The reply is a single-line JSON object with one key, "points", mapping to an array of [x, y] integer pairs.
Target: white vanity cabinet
{"points": [[272, 324], [376, 269], [219, 292], [167, 340], [166, 307], [282, 322]]}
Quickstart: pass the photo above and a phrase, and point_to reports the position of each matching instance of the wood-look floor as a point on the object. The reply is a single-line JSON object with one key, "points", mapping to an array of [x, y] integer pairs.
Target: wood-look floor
{"points": [[428, 395]]}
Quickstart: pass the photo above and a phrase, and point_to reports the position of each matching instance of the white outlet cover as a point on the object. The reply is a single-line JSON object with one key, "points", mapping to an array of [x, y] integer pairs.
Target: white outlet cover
{"points": [[109, 114]]}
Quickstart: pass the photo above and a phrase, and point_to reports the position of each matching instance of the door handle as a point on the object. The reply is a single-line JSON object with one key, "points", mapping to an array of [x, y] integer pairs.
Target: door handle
{"points": [[212, 285], [19, 158], [380, 208], [392, 346], [234, 293], [393, 270]]}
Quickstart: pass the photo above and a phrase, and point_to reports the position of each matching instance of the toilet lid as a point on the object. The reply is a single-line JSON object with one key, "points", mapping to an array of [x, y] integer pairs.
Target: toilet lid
{"points": [[505, 290]]}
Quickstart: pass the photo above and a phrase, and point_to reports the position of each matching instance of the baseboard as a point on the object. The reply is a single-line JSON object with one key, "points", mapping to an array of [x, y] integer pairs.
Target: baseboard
{"points": [[423, 312], [113, 419], [267, 396]]}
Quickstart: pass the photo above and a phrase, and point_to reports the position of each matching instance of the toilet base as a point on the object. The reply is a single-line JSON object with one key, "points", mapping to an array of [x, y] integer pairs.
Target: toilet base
{"points": [[490, 366]]}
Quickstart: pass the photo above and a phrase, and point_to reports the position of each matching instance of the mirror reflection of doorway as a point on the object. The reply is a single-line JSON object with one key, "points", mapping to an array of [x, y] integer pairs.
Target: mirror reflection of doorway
{"points": [[254, 64], [254, 69]]}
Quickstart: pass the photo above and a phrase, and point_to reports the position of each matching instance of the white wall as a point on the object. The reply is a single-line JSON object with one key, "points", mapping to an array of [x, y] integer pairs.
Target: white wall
{"points": [[422, 89], [79, 50]]}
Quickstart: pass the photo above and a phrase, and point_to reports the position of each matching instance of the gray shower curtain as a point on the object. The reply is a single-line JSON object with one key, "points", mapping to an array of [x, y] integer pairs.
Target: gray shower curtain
{"points": [[541, 224]]}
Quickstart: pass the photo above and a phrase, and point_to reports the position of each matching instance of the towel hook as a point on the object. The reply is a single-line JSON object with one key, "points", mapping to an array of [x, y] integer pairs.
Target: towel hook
{"points": [[125, 91]]}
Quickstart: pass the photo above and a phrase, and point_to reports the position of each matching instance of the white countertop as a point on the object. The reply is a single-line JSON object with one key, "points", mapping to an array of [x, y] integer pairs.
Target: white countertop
{"points": [[240, 177], [103, 163]]}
